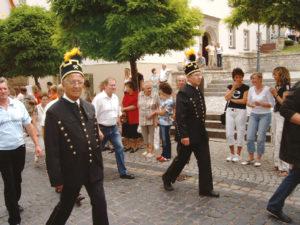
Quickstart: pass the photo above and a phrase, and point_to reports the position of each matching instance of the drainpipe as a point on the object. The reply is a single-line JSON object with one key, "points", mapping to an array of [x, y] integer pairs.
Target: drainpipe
{"points": [[258, 49]]}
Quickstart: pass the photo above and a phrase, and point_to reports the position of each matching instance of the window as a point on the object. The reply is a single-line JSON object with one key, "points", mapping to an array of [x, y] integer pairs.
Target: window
{"points": [[231, 38], [246, 39]]}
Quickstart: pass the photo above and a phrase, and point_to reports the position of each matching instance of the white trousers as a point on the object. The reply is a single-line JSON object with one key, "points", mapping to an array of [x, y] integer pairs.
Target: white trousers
{"points": [[236, 120], [277, 126]]}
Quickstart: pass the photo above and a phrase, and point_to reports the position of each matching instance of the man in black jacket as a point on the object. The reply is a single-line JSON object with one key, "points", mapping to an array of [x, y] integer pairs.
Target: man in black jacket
{"points": [[73, 148], [193, 137], [289, 152]]}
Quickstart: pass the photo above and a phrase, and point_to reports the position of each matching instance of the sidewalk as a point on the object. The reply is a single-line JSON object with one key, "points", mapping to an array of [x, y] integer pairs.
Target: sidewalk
{"points": [[244, 193]]}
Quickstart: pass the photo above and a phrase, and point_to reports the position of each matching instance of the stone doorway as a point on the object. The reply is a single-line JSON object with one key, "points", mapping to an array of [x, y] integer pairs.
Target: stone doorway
{"points": [[206, 39]]}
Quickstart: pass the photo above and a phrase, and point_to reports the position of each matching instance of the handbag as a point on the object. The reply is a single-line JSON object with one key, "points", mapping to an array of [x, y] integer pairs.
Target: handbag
{"points": [[223, 115]]}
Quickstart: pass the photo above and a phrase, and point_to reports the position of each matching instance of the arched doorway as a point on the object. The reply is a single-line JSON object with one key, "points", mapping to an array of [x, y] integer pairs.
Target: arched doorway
{"points": [[205, 41]]}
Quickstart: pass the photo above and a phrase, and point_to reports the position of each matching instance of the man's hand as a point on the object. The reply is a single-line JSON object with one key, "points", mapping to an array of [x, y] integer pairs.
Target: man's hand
{"points": [[59, 188], [101, 135], [185, 141], [38, 151]]}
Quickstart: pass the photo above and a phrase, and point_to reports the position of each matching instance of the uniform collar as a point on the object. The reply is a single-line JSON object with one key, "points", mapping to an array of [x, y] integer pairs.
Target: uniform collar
{"points": [[70, 100]]}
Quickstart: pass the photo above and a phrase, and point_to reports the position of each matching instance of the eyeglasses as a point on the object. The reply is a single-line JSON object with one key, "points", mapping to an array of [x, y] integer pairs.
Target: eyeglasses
{"points": [[74, 82]]}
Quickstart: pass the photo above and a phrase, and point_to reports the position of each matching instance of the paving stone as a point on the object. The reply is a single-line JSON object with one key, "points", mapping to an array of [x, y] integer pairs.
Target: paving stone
{"points": [[244, 194]]}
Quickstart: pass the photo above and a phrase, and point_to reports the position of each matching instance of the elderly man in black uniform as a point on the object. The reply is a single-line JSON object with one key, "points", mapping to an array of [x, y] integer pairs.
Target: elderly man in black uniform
{"points": [[193, 137], [289, 152], [73, 148]]}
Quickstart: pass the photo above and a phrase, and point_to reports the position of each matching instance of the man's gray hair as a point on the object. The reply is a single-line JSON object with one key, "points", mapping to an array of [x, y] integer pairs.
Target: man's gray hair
{"points": [[3, 80]]}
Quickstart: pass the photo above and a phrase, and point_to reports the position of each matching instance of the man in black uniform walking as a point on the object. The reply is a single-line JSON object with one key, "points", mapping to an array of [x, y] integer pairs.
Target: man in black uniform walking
{"points": [[73, 148], [193, 137]]}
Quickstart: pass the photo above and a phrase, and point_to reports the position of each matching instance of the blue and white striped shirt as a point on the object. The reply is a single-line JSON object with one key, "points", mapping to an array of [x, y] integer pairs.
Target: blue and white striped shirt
{"points": [[12, 121]]}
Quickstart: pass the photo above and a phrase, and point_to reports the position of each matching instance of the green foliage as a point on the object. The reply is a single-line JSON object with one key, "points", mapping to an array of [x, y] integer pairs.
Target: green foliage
{"points": [[126, 30], [26, 43], [284, 13], [288, 42], [292, 49]]}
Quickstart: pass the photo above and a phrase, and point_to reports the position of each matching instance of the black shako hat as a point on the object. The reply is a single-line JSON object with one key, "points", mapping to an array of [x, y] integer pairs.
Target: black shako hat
{"points": [[191, 68], [71, 64]]}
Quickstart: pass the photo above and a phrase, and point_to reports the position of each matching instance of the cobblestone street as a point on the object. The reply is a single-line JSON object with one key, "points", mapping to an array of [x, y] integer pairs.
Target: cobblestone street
{"points": [[244, 192]]}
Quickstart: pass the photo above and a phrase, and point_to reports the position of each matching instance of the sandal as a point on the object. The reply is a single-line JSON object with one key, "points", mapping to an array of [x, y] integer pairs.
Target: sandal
{"points": [[257, 164]]}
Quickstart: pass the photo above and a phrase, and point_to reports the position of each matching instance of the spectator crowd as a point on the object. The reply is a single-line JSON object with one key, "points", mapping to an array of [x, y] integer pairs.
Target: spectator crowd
{"points": [[141, 122]]}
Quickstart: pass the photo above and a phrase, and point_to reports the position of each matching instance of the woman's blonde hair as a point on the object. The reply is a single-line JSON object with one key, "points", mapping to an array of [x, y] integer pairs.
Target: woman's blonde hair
{"points": [[258, 74], [284, 73]]}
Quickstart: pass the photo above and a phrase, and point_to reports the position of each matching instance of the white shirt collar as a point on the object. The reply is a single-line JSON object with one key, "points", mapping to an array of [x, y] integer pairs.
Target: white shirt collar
{"points": [[106, 95], [70, 100]]}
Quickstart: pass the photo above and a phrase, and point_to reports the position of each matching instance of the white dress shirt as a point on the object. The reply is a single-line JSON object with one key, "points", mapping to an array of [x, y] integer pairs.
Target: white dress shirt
{"points": [[107, 109], [164, 75]]}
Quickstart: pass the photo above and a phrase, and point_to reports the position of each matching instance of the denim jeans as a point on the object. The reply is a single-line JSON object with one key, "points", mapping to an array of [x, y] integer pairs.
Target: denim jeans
{"points": [[287, 186], [113, 135], [258, 124], [165, 139]]}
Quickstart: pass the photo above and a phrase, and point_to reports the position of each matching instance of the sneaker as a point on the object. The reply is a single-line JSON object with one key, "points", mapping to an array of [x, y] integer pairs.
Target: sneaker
{"points": [[247, 162], [235, 158], [145, 153], [229, 158], [149, 155]]}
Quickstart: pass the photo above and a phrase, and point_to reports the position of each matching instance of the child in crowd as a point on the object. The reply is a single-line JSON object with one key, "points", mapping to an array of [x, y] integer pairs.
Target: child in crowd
{"points": [[165, 115]]}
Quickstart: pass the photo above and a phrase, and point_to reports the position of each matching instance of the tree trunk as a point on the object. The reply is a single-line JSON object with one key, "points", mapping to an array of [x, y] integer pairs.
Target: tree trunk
{"points": [[36, 80], [134, 71]]}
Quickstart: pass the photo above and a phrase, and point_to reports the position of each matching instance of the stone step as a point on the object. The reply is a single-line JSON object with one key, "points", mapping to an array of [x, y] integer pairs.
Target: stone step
{"points": [[215, 89], [229, 81], [216, 124], [221, 134], [222, 85], [212, 117], [214, 94]]}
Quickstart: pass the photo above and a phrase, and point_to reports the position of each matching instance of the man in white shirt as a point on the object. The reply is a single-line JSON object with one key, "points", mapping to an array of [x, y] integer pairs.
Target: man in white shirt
{"points": [[108, 113], [164, 73]]}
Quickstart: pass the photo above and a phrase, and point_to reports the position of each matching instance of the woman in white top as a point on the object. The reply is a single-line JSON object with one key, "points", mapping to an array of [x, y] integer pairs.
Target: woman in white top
{"points": [[40, 111], [261, 101]]}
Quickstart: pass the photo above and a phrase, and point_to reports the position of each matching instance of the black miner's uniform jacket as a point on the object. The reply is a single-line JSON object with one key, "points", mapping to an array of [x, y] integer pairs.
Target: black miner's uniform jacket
{"points": [[73, 152], [190, 114], [290, 143]]}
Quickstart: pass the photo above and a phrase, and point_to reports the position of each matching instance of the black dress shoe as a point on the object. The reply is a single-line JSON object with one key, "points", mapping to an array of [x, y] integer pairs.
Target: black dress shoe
{"points": [[167, 185], [279, 215], [21, 209], [211, 193], [127, 176]]}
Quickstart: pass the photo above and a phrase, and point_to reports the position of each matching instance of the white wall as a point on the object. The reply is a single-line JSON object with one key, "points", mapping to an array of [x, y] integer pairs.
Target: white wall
{"points": [[4, 9]]}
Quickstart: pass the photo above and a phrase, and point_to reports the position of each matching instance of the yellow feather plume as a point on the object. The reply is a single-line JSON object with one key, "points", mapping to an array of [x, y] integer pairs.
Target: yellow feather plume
{"points": [[189, 52], [69, 55]]}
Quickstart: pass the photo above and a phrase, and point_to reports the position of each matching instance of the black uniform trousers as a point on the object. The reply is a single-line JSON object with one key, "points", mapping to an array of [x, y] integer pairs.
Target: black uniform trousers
{"points": [[68, 197], [201, 152], [11, 166]]}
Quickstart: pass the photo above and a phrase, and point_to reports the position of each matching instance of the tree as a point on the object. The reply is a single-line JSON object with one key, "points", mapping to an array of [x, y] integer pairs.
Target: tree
{"points": [[284, 13], [26, 45], [126, 30]]}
